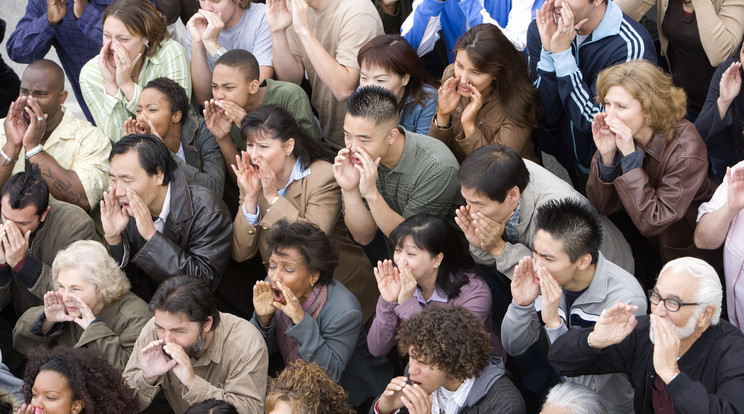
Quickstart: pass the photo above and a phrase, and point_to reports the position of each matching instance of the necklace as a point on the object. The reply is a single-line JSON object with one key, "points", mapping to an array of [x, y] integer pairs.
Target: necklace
{"points": [[439, 401]]}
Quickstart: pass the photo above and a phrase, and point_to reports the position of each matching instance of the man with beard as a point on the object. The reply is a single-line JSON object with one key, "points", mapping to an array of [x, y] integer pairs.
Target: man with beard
{"points": [[192, 352], [680, 359]]}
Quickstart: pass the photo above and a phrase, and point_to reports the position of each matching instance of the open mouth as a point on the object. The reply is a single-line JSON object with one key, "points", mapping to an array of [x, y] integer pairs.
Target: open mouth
{"points": [[278, 295], [412, 382], [465, 88], [142, 130], [26, 117]]}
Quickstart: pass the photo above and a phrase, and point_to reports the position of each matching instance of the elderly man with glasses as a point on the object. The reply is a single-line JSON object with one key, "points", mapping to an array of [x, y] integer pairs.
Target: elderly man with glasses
{"points": [[680, 359]]}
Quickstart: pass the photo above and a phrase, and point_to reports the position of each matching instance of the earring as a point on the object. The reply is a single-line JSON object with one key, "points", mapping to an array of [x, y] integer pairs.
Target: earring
{"points": [[289, 153], [312, 284], [436, 266]]}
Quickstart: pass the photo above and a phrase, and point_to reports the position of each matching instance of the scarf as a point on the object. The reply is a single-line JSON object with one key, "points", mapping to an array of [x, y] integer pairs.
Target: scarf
{"points": [[312, 306]]}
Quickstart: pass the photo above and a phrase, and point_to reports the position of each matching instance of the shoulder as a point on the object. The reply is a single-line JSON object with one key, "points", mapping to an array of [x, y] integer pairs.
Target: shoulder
{"points": [[321, 169], [431, 151], [206, 201], [686, 142], [340, 300], [620, 283], [68, 213], [239, 332]]}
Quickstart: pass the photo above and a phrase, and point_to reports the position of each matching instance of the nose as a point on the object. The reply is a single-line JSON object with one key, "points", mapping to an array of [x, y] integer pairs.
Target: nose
{"points": [[659, 310], [253, 152], [141, 117], [413, 367], [218, 94], [538, 261], [120, 190]]}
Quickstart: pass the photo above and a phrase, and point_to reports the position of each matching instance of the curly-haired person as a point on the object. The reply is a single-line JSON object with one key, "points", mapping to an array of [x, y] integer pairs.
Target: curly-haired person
{"points": [[449, 368], [74, 381], [305, 388]]}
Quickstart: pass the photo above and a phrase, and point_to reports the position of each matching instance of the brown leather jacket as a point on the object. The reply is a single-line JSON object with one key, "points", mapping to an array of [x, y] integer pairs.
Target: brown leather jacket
{"points": [[662, 197]]}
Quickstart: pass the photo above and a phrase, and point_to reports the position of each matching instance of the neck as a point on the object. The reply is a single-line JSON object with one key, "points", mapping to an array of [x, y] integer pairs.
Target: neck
{"points": [[394, 152], [428, 285], [643, 137], [581, 280], [317, 4], [256, 100], [138, 67], [207, 340], [452, 384], [282, 177], [159, 201], [52, 124], [593, 20], [173, 139], [235, 19]]}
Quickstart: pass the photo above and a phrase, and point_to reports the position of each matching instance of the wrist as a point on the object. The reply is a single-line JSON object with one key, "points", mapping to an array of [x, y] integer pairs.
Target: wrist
{"points": [[668, 375], [594, 343], [150, 380], [442, 120], [211, 46], [553, 323], [498, 249], [112, 240], [12, 150]]}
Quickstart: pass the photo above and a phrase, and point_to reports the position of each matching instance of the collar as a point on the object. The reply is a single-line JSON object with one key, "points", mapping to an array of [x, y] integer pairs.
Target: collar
{"points": [[189, 130], [610, 23], [62, 132], [596, 292], [181, 205], [438, 296], [296, 174], [158, 58], [658, 142], [215, 348], [160, 222], [456, 401]]}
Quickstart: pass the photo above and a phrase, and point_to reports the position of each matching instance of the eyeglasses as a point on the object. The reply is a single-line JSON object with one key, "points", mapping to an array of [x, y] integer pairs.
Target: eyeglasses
{"points": [[672, 305]]}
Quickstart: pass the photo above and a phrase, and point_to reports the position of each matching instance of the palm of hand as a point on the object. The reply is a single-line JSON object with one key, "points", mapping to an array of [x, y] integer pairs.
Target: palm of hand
{"points": [[389, 288], [55, 312], [115, 221], [262, 303], [448, 101], [277, 15], [155, 363], [348, 177]]}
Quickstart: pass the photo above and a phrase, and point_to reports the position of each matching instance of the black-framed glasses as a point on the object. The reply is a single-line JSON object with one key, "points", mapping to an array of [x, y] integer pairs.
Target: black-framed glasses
{"points": [[671, 304]]}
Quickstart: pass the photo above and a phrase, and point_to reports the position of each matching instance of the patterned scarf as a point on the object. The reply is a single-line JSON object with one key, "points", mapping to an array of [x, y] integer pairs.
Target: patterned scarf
{"points": [[510, 229], [312, 306]]}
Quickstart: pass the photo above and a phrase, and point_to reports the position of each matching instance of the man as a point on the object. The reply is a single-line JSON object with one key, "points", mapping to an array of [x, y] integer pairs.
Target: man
{"points": [[193, 353], [225, 25], [237, 91], [503, 193], [322, 38], [70, 152], [720, 223], [73, 27], [566, 62], [156, 224], [681, 359], [388, 174], [566, 284], [34, 228]]}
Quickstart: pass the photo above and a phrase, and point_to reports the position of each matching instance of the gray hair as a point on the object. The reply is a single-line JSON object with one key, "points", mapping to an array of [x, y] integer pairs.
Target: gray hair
{"points": [[575, 398], [93, 261], [709, 290]]}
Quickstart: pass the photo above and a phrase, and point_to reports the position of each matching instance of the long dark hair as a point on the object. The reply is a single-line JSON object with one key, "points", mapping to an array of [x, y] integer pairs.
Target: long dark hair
{"points": [[275, 122], [391, 52], [433, 235], [491, 52]]}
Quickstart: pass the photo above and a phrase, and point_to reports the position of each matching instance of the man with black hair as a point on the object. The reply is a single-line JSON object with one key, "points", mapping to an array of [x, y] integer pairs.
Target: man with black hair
{"points": [[566, 284], [34, 228], [193, 353], [388, 174], [156, 224], [503, 193]]}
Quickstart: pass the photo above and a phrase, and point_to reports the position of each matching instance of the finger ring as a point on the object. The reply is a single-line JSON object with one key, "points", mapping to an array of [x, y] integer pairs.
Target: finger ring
{"points": [[542, 21], [663, 336], [565, 31], [39, 118], [294, 299], [124, 62]]}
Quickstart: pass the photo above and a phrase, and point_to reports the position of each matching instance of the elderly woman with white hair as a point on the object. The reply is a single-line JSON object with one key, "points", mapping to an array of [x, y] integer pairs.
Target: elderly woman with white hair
{"points": [[91, 307], [572, 398]]}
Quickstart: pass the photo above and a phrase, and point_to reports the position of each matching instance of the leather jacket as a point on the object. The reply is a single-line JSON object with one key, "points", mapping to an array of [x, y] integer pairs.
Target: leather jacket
{"points": [[196, 241]]}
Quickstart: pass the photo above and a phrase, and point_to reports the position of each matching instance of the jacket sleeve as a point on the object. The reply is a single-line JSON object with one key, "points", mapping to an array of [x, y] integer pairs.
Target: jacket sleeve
{"points": [[24, 340], [720, 30], [381, 336], [520, 328], [603, 196], [143, 392], [506, 261], [570, 355], [212, 174], [709, 123], [636, 8], [421, 28], [245, 237], [519, 19], [268, 333]]}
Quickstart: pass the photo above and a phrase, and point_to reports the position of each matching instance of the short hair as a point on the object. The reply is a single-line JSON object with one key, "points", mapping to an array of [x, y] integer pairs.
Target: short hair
{"points": [[90, 378], [574, 398], [27, 188], [650, 85], [574, 223], [93, 261], [212, 406], [709, 290], [142, 19], [311, 242], [243, 61], [52, 66], [275, 122], [308, 389], [375, 103], [152, 153], [174, 93], [450, 338], [493, 170], [188, 295], [244, 4]]}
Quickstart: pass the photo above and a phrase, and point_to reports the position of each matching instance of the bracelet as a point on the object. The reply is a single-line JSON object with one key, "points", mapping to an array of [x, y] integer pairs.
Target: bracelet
{"points": [[272, 202], [7, 158], [589, 342], [35, 150], [449, 124], [218, 54]]}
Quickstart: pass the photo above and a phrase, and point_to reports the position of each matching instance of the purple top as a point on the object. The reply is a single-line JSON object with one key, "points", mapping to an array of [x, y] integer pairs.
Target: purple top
{"points": [[474, 296]]}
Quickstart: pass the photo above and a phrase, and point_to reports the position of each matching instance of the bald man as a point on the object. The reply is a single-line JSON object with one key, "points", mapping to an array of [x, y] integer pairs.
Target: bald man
{"points": [[71, 153]]}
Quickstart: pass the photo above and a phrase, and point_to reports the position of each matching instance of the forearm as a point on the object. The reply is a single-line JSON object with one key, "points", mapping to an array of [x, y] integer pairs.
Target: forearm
{"points": [[340, 79], [64, 185], [712, 228], [285, 66], [359, 221], [384, 216], [32, 37], [201, 76], [228, 153], [6, 167]]}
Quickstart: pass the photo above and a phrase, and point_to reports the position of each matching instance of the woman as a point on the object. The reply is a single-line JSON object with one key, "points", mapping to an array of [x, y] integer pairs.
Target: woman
{"points": [[91, 308], [163, 110], [74, 381], [649, 160], [305, 388], [285, 174], [135, 50], [449, 369], [486, 96], [304, 313], [696, 36], [391, 62]]}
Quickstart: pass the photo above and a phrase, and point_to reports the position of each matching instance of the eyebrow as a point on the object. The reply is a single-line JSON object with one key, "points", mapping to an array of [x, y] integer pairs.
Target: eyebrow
{"points": [[121, 176], [357, 135]]}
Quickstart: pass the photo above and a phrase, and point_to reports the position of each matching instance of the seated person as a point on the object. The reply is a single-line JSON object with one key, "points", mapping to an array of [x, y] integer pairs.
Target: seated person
{"points": [[237, 91], [486, 96], [388, 174], [650, 161], [565, 285], [320, 40], [572, 398], [285, 175], [136, 50], [433, 268], [391, 62], [156, 224], [303, 313], [191, 352], [721, 119], [70, 151], [503, 193], [74, 381], [305, 387], [39, 228], [449, 368], [91, 307], [163, 110], [220, 26], [682, 358]]}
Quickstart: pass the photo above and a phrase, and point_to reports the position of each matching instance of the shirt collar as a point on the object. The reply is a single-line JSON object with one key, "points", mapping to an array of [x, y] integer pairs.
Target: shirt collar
{"points": [[438, 296], [160, 222], [297, 174]]}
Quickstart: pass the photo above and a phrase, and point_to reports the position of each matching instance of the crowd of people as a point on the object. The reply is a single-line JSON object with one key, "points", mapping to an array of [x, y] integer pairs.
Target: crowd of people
{"points": [[338, 206]]}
